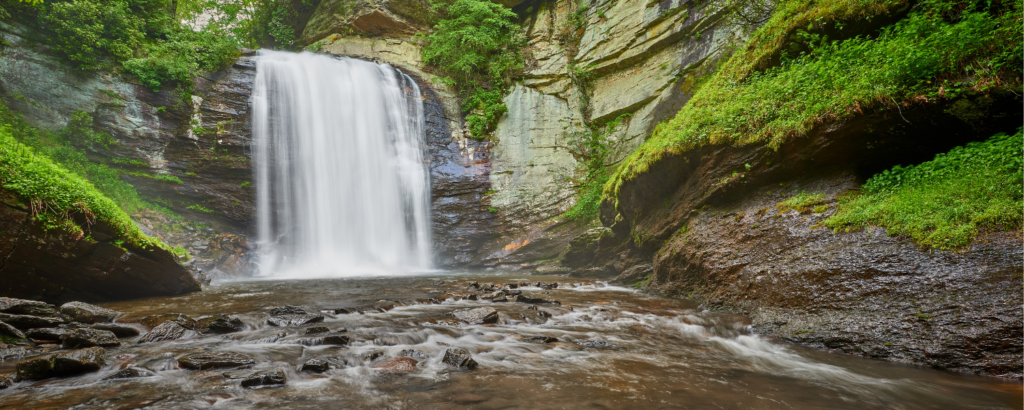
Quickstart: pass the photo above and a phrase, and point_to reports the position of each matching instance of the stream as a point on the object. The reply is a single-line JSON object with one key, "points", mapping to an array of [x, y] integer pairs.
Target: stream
{"points": [[603, 347]]}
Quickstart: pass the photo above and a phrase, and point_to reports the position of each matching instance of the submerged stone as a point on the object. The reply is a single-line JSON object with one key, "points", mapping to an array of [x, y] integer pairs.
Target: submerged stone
{"points": [[295, 319], [86, 313], [89, 338], [181, 319], [219, 360], [118, 330], [130, 372], [396, 365]]}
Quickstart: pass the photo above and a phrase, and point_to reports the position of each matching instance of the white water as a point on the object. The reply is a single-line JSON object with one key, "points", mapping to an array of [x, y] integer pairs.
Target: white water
{"points": [[341, 184]]}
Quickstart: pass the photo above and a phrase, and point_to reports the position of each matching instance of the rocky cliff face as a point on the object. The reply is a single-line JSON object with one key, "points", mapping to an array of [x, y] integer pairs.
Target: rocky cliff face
{"points": [[57, 266]]}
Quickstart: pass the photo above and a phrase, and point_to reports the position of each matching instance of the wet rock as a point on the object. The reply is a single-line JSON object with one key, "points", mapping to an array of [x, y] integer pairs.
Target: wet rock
{"points": [[181, 319], [10, 335], [237, 375], [597, 344], [477, 316], [267, 378], [543, 314], [295, 319], [337, 340], [219, 360], [219, 324], [415, 354], [343, 311], [314, 366], [46, 335], [499, 299], [117, 329], [8, 352], [471, 296], [168, 330], [458, 358], [317, 330], [534, 300], [25, 322], [130, 372], [372, 355], [86, 313], [540, 339], [287, 310], [396, 365], [439, 283], [5, 381], [26, 307], [89, 338], [62, 364]]}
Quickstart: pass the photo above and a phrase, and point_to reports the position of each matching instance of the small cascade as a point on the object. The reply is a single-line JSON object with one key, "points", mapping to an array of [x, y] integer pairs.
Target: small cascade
{"points": [[341, 181]]}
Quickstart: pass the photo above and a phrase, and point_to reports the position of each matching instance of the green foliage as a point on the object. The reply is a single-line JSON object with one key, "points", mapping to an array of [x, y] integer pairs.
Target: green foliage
{"points": [[589, 146], [940, 48], [800, 202], [56, 195], [200, 208], [159, 177], [177, 59], [476, 48], [245, 184], [86, 29], [180, 252], [944, 203]]}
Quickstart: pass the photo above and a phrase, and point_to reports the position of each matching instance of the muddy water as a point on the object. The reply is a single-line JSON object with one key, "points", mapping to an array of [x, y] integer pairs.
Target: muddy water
{"points": [[616, 349]]}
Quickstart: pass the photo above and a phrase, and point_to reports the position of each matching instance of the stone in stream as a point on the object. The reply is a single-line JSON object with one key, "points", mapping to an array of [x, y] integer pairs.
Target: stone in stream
{"points": [[5, 381], [117, 329], [46, 334], [540, 339], [317, 330], [471, 296], [342, 311], [458, 358], [292, 316], [337, 340], [396, 365], [218, 360], [477, 316], [26, 307], [25, 322], [533, 300], [287, 310], [10, 335], [62, 364], [219, 324], [168, 330], [314, 366], [86, 313], [130, 372], [157, 320], [415, 354], [88, 338], [266, 378]]}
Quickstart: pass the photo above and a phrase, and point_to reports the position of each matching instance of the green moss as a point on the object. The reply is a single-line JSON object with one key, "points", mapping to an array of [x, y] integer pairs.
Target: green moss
{"points": [[200, 208], [130, 162], [923, 57], [55, 194], [944, 203], [165, 178], [800, 202]]}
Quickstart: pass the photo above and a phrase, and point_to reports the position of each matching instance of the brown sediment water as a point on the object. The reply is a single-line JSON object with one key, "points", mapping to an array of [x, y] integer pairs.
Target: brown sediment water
{"points": [[616, 348]]}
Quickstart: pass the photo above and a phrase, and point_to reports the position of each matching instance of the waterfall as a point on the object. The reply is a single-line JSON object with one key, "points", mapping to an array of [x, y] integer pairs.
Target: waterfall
{"points": [[341, 183]]}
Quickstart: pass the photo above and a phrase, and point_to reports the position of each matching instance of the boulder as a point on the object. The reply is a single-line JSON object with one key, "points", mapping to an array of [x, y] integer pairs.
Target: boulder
{"points": [[62, 364], [267, 378], [477, 316], [117, 329], [167, 331], [130, 372], [219, 324], [396, 365], [10, 335], [26, 307], [88, 338], [634, 274], [314, 366], [46, 334], [86, 313], [458, 358], [181, 319], [219, 360], [25, 322]]}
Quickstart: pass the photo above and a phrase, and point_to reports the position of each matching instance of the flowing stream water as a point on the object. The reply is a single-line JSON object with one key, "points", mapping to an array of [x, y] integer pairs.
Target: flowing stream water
{"points": [[341, 183], [616, 349]]}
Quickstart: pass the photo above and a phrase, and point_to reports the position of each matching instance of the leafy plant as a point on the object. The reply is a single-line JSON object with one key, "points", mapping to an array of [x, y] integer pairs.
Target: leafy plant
{"points": [[944, 203]]}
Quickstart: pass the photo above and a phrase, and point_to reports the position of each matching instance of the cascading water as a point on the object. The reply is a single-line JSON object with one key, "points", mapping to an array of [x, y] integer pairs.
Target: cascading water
{"points": [[341, 185]]}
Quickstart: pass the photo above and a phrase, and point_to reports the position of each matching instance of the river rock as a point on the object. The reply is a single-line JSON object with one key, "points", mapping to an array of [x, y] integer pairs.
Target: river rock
{"points": [[181, 319], [46, 334], [117, 329], [26, 307], [339, 340], [477, 316], [167, 331], [219, 324], [317, 330], [10, 335], [89, 338], [287, 310], [396, 365], [314, 366], [219, 360], [5, 381], [25, 322], [533, 300], [540, 339], [415, 354], [471, 296], [86, 313], [295, 320], [62, 364], [268, 378], [458, 358], [130, 372]]}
